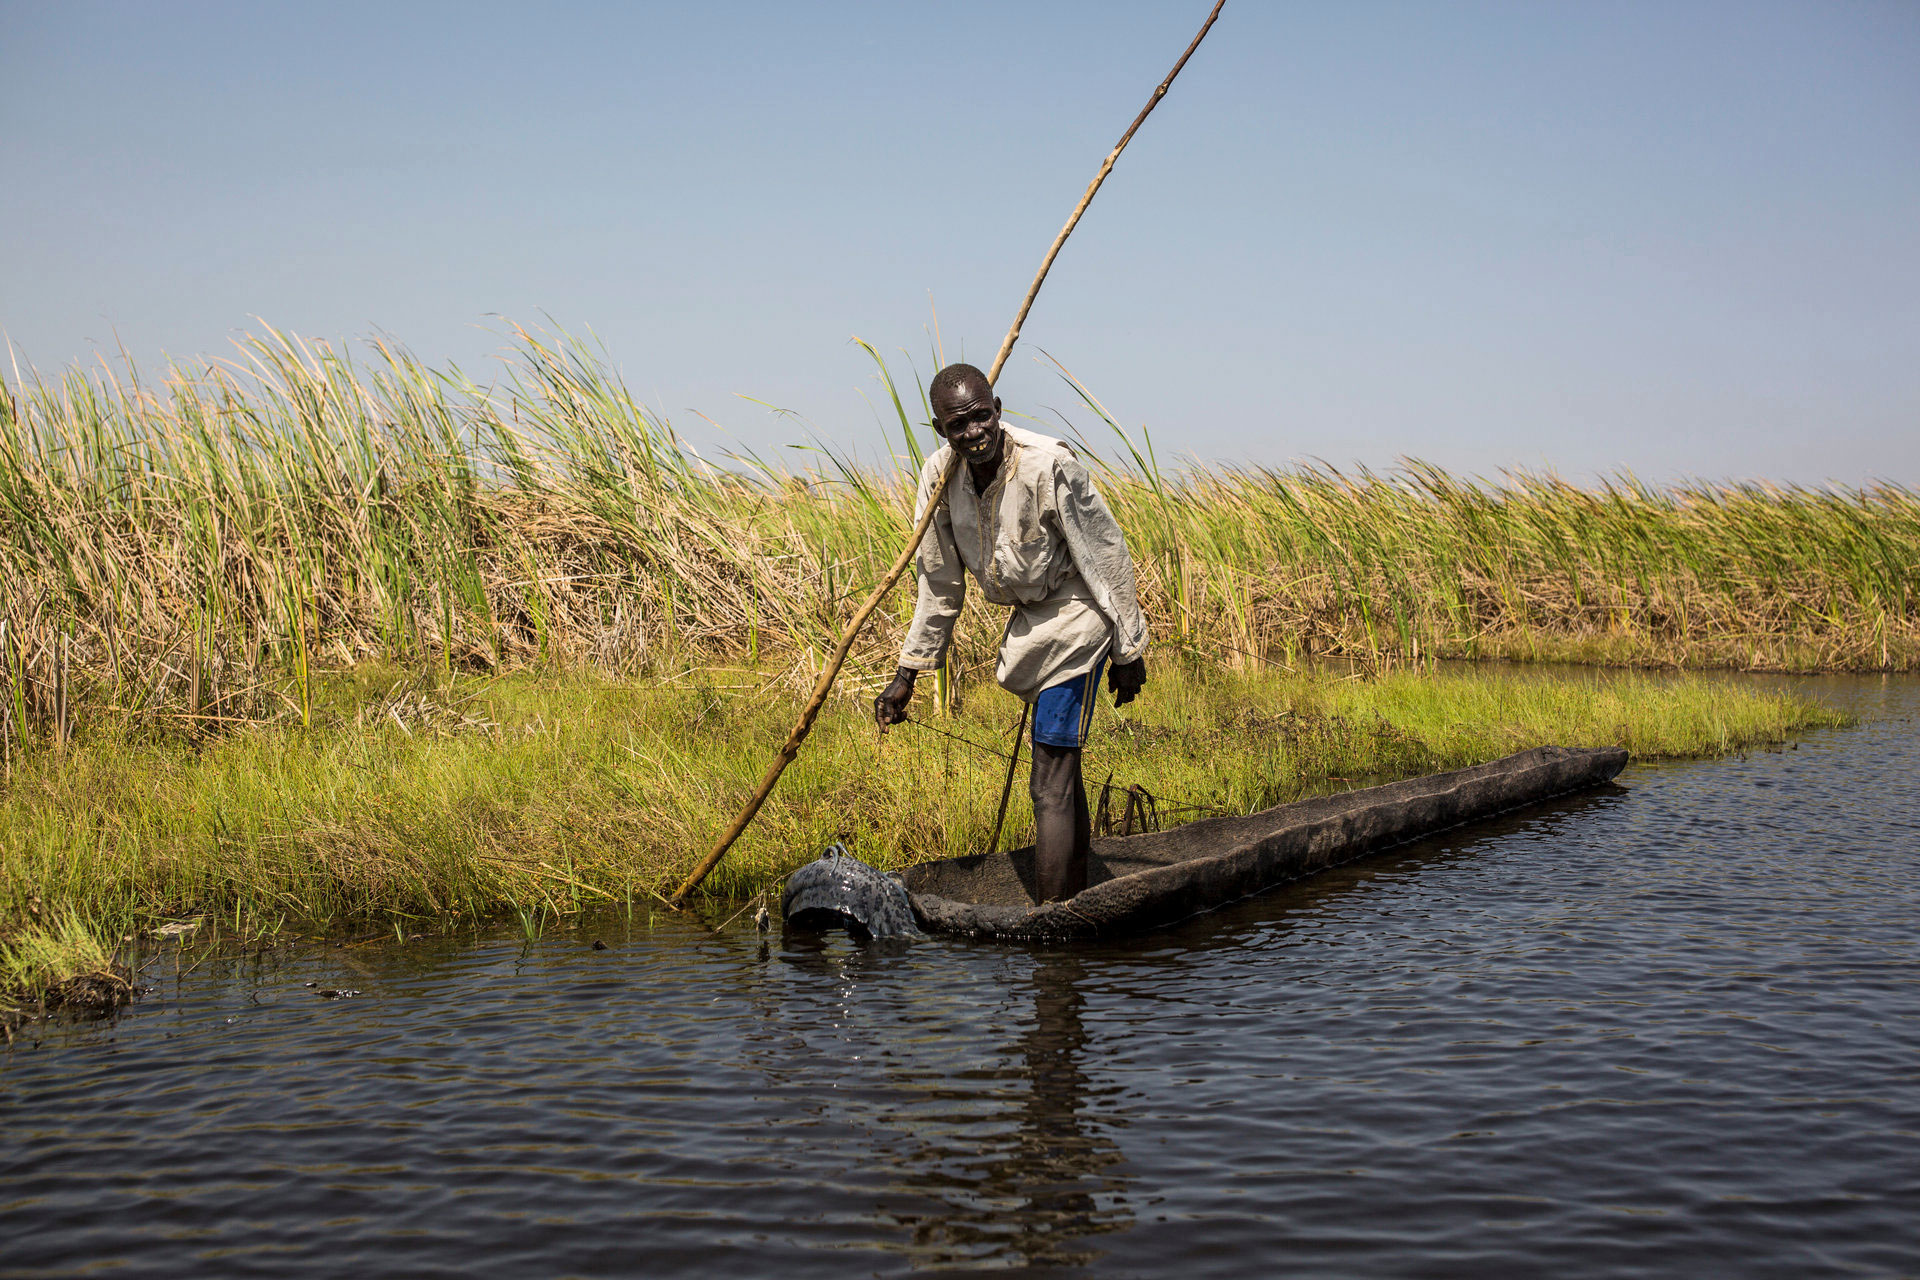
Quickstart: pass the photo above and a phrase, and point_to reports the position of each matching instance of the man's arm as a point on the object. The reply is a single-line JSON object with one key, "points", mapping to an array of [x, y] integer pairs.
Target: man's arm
{"points": [[1100, 553], [942, 582]]}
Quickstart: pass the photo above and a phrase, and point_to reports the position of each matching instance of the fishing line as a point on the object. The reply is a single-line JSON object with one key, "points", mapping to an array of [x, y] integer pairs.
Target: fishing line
{"points": [[1179, 805]]}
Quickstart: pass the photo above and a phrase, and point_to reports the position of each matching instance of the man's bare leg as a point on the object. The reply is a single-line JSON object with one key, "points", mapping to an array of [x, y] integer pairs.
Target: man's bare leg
{"points": [[1062, 830]]}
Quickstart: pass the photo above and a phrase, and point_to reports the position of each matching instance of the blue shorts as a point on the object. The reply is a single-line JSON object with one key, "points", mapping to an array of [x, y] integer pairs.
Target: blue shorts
{"points": [[1062, 713]]}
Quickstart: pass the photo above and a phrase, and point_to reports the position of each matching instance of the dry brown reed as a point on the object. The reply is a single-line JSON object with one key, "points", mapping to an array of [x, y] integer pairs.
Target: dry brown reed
{"points": [[188, 552]]}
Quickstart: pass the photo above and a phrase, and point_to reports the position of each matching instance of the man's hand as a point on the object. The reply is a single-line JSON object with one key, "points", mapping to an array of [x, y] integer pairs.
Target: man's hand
{"points": [[890, 706], [1127, 679]]}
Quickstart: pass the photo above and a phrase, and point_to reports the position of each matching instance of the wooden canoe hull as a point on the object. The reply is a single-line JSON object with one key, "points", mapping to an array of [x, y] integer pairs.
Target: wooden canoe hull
{"points": [[1141, 882]]}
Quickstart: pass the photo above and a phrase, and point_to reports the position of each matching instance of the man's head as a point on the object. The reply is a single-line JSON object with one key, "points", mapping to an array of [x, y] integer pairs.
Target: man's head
{"points": [[966, 413]]}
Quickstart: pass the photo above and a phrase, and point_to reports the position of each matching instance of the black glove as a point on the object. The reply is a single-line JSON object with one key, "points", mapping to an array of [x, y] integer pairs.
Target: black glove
{"points": [[890, 705], [1127, 679]]}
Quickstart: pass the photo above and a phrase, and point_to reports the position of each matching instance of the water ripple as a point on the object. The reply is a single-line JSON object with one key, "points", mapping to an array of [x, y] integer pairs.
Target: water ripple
{"points": [[1670, 1030]]}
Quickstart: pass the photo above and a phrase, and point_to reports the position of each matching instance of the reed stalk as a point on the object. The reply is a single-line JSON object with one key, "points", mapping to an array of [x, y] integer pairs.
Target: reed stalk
{"points": [[295, 511]]}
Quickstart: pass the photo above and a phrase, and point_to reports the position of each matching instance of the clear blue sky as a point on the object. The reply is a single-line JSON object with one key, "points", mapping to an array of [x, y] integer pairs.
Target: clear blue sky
{"points": [[1682, 238]]}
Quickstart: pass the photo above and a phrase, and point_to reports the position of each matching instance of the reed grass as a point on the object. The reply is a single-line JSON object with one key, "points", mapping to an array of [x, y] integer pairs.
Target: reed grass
{"points": [[209, 580], [59, 959], [190, 551]]}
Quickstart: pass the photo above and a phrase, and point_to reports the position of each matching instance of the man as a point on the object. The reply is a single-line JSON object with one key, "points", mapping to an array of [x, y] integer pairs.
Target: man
{"points": [[1024, 518]]}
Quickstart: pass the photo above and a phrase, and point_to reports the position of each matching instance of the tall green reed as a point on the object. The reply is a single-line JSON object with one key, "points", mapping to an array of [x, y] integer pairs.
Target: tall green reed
{"points": [[205, 541]]}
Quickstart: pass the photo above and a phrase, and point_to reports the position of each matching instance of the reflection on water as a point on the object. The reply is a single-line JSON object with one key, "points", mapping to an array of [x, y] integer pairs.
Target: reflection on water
{"points": [[1062, 1166], [996, 1153], [1036, 1191], [1668, 1030]]}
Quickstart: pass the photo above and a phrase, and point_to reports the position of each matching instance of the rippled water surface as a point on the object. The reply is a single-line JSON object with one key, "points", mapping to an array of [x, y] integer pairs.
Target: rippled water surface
{"points": [[1673, 1030]]}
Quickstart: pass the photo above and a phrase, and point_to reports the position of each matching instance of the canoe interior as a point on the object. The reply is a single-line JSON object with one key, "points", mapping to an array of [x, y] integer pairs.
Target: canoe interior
{"points": [[994, 893]]}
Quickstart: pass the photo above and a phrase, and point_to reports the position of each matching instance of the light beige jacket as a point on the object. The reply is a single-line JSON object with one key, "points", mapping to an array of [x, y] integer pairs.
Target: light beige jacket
{"points": [[1041, 540]]}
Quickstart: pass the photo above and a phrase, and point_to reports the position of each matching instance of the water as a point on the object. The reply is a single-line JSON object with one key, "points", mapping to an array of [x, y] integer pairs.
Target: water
{"points": [[1674, 1031]]}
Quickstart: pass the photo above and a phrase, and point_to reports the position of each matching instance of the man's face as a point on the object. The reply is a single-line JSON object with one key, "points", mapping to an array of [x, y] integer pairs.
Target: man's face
{"points": [[969, 419]]}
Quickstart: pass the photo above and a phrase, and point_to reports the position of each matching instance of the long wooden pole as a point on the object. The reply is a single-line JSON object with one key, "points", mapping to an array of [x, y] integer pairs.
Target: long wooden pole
{"points": [[1106, 167], [824, 685]]}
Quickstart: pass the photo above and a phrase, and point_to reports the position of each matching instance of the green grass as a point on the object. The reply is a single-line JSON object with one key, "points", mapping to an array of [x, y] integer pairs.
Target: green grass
{"points": [[211, 582], [60, 957], [415, 801]]}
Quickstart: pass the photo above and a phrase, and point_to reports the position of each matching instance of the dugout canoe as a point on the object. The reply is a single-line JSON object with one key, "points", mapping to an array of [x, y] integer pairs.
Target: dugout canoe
{"points": [[1143, 881]]}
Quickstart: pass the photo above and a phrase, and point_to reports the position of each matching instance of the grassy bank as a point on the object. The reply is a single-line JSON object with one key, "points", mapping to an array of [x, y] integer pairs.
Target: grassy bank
{"points": [[210, 583], [194, 548], [414, 800]]}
